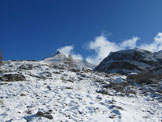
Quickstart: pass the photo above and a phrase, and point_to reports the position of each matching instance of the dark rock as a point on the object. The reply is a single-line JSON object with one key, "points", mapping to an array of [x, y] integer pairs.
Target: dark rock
{"points": [[50, 111], [45, 114], [68, 87], [49, 88], [22, 94], [75, 70], [49, 116], [12, 77], [56, 72], [39, 113]]}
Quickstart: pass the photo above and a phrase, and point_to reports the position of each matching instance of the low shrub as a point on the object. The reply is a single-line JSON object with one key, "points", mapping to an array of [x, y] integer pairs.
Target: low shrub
{"points": [[144, 77]]}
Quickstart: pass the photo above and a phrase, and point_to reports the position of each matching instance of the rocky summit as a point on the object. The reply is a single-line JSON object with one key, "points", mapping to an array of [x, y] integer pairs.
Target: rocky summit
{"points": [[59, 58], [130, 61]]}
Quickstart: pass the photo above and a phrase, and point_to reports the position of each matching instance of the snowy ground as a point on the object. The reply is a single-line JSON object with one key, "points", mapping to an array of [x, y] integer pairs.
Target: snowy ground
{"points": [[69, 97]]}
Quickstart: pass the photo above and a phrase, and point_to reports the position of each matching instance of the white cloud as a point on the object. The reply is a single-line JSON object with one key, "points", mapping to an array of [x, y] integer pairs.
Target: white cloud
{"points": [[103, 47], [130, 43], [77, 56], [66, 50], [156, 45]]}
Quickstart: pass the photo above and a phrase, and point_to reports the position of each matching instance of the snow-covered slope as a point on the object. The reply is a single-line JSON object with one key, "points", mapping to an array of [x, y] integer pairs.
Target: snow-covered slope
{"points": [[50, 93], [60, 59]]}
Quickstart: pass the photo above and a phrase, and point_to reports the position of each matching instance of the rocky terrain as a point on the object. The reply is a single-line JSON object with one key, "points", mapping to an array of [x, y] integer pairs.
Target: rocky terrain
{"points": [[128, 61], [41, 91]]}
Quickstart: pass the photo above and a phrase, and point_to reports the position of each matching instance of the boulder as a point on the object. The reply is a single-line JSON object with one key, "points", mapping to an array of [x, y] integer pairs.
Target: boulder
{"points": [[12, 77], [44, 114]]}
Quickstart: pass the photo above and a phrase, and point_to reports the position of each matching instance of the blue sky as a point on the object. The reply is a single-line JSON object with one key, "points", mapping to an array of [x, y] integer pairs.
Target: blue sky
{"points": [[33, 29]]}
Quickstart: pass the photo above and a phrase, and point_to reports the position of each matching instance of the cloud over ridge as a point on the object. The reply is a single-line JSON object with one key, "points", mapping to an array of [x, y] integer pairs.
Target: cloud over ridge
{"points": [[102, 47], [156, 45]]}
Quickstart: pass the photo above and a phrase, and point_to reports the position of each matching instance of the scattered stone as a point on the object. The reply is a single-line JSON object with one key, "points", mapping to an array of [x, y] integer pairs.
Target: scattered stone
{"points": [[68, 87], [56, 72], [45, 114], [80, 112], [70, 80], [22, 94], [75, 70], [29, 112], [45, 75], [49, 116], [39, 113], [98, 97], [26, 67], [50, 111], [49, 88], [80, 78]]}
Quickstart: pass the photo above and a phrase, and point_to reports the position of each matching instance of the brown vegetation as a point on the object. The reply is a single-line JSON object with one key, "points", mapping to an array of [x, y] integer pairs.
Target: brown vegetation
{"points": [[1, 58], [70, 61], [145, 77]]}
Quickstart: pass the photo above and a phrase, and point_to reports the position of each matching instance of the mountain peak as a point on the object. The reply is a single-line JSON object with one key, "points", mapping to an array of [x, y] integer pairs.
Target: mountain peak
{"points": [[60, 58], [57, 52]]}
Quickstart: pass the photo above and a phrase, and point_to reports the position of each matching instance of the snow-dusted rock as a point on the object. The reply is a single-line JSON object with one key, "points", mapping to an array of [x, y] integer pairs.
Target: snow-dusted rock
{"points": [[119, 80], [128, 61]]}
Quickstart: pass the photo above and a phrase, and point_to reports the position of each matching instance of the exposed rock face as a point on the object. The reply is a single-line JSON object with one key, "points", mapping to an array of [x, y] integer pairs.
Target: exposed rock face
{"points": [[128, 61], [12, 77]]}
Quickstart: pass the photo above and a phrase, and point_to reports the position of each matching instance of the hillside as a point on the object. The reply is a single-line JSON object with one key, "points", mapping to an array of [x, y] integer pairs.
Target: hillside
{"points": [[36, 91]]}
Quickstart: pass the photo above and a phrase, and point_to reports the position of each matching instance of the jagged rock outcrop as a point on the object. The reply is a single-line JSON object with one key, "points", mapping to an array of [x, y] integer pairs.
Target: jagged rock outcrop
{"points": [[128, 61]]}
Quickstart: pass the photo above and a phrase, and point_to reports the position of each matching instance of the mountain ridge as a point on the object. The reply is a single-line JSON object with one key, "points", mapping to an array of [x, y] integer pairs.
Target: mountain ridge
{"points": [[128, 61]]}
